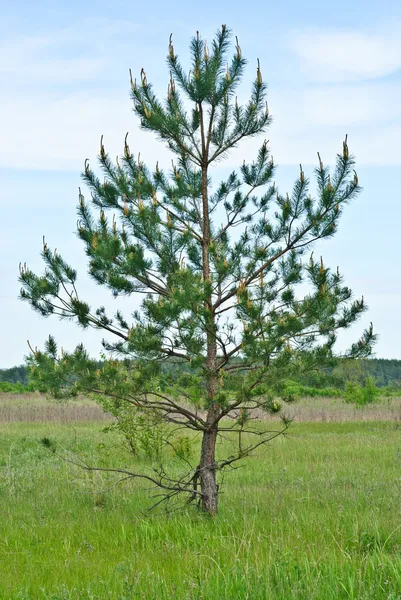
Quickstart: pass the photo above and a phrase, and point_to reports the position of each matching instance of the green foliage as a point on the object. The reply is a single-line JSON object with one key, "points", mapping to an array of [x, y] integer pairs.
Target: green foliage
{"points": [[183, 447], [17, 374], [143, 433], [385, 372], [16, 388], [361, 395], [218, 265], [155, 227]]}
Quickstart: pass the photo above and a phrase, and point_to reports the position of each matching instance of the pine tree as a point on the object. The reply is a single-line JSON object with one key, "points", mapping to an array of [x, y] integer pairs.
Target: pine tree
{"points": [[220, 327]]}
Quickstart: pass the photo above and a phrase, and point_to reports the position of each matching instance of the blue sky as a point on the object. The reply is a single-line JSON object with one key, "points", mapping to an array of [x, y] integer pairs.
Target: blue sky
{"points": [[332, 69]]}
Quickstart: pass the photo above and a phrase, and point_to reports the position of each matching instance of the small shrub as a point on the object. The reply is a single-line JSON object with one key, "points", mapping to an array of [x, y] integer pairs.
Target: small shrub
{"points": [[143, 432], [48, 443], [16, 388], [183, 447], [360, 395], [303, 391]]}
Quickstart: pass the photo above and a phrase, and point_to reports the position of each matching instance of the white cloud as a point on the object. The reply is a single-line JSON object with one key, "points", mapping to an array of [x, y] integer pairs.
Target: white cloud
{"points": [[352, 105], [62, 90], [56, 125], [319, 108], [311, 119], [349, 55], [67, 55], [60, 133], [373, 146]]}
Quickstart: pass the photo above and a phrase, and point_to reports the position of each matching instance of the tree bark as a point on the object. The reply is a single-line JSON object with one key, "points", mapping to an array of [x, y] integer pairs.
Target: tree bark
{"points": [[207, 465]]}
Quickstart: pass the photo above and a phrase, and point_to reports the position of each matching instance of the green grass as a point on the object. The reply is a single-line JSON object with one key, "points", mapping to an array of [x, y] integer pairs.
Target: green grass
{"points": [[317, 515]]}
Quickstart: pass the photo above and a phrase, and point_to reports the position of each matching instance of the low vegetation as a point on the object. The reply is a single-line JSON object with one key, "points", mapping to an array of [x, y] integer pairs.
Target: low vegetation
{"points": [[16, 388], [315, 515]]}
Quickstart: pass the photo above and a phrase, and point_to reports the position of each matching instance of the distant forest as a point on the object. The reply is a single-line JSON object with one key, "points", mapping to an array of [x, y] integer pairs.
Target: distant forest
{"points": [[18, 374], [386, 372]]}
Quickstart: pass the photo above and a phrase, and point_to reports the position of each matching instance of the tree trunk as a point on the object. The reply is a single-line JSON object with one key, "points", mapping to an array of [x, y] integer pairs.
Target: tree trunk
{"points": [[207, 465]]}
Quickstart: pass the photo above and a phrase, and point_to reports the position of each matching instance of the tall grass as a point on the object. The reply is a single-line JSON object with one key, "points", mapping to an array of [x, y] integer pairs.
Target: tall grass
{"points": [[34, 407], [315, 516]]}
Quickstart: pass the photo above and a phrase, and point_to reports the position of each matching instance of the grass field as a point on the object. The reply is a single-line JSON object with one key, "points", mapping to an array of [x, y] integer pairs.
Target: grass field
{"points": [[315, 516], [36, 408]]}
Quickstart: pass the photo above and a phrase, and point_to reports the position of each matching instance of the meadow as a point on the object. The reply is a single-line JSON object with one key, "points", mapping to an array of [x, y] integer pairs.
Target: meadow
{"points": [[316, 515]]}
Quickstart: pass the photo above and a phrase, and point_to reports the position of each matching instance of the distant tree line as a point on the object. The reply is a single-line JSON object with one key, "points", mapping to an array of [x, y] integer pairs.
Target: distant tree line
{"points": [[19, 374], [385, 372]]}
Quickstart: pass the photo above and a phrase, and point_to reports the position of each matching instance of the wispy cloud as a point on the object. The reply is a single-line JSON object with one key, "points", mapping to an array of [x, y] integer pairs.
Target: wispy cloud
{"points": [[353, 105], [349, 55], [72, 54], [51, 133], [65, 88]]}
